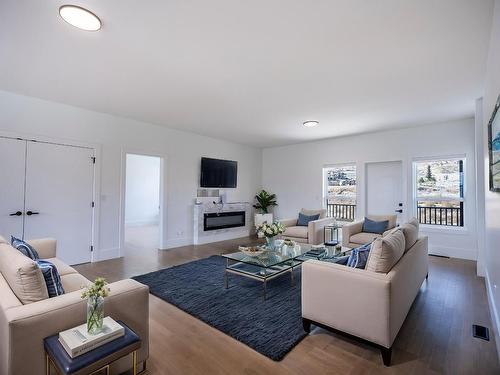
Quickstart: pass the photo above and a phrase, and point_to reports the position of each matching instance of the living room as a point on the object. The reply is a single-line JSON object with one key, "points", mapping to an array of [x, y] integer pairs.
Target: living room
{"points": [[352, 114]]}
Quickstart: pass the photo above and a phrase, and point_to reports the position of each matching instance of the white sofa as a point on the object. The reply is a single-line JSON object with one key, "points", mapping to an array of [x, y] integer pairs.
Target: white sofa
{"points": [[369, 305], [313, 233], [27, 316]]}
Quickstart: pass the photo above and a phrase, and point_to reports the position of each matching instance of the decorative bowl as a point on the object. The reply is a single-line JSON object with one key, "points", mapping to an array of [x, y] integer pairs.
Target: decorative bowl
{"points": [[252, 251]]}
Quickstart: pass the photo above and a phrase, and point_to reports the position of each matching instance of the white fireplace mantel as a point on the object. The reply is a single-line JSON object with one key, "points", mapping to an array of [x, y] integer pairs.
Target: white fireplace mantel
{"points": [[201, 208]]}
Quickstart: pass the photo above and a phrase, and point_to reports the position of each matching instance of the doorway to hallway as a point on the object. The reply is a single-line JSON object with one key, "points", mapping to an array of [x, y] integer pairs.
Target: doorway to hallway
{"points": [[142, 203]]}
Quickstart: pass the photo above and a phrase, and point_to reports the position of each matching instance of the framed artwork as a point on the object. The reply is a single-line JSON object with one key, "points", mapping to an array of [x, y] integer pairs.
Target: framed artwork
{"points": [[494, 148]]}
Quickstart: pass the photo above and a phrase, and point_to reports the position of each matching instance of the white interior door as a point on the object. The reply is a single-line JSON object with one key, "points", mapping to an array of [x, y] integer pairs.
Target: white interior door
{"points": [[384, 188], [12, 163], [59, 195]]}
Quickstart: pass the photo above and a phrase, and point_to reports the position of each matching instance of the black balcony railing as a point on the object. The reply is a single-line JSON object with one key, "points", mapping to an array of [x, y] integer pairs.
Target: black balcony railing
{"points": [[346, 212], [452, 216]]}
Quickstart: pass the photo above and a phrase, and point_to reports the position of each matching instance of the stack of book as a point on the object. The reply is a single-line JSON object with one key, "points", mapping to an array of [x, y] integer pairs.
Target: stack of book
{"points": [[77, 341], [315, 252]]}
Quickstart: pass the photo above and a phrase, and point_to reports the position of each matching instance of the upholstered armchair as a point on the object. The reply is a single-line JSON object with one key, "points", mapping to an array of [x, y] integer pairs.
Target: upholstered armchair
{"points": [[313, 233], [353, 235]]}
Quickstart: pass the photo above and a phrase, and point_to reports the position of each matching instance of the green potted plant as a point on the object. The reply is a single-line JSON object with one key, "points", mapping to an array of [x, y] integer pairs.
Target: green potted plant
{"points": [[263, 204]]}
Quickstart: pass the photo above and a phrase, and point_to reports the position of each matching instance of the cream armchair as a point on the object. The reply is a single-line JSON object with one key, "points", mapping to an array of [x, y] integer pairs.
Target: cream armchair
{"points": [[353, 235], [313, 233]]}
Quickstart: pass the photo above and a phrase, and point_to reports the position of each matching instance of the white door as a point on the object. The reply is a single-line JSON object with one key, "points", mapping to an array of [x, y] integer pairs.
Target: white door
{"points": [[384, 189], [59, 195], [12, 162]]}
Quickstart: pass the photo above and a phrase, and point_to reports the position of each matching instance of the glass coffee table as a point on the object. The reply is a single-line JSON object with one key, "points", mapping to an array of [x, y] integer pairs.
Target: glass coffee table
{"points": [[271, 263]]}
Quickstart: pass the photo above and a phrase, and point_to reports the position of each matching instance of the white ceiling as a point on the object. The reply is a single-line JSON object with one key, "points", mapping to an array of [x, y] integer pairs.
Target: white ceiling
{"points": [[253, 71]]}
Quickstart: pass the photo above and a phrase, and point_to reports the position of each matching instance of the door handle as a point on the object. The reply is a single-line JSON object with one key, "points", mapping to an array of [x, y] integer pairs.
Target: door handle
{"points": [[18, 213], [400, 211], [29, 213]]}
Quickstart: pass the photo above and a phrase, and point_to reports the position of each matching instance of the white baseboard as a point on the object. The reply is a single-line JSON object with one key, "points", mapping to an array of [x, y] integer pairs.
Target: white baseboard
{"points": [[105, 254], [493, 312], [177, 242], [481, 270], [453, 252], [226, 235]]}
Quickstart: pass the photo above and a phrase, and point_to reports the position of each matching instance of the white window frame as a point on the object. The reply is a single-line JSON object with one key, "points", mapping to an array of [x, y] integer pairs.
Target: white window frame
{"points": [[462, 199], [325, 184]]}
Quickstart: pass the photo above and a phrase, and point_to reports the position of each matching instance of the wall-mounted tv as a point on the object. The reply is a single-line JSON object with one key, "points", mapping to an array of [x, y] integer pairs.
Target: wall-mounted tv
{"points": [[216, 173]]}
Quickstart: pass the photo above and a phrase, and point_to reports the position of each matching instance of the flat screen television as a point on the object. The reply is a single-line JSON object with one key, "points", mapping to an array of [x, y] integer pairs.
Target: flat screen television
{"points": [[216, 173]]}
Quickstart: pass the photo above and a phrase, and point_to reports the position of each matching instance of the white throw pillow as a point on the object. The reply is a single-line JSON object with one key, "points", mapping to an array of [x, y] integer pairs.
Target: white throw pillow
{"points": [[386, 252], [411, 235]]}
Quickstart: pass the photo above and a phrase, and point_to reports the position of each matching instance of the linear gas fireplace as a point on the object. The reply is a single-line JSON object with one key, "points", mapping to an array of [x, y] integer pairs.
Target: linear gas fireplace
{"points": [[223, 220]]}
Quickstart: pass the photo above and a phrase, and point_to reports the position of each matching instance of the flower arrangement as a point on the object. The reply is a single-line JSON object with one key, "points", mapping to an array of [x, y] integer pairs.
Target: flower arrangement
{"points": [[270, 230], [94, 294]]}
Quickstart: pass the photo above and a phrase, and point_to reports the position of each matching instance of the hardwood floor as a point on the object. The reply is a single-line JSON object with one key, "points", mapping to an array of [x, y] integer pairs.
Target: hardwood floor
{"points": [[436, 337]]}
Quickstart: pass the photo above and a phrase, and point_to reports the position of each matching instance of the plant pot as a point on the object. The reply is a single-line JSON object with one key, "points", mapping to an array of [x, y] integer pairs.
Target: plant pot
{"points": [[263, 218]]}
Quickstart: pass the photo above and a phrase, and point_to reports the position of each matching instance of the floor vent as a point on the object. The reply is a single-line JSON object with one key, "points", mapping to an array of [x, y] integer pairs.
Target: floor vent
{"points": [[439, 256], [480, 332]]}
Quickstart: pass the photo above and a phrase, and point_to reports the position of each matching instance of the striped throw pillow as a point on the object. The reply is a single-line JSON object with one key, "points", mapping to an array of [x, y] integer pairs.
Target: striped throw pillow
{"points": [[52, 278], [24, 248], [359, 256]]}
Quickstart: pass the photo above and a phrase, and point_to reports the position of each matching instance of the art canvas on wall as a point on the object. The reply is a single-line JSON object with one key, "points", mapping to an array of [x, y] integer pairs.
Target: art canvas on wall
{"points": [[494, 148]]}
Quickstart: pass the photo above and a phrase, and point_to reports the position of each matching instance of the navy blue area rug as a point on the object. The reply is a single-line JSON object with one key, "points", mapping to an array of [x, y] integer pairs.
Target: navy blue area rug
{"points": [[272, 327]]}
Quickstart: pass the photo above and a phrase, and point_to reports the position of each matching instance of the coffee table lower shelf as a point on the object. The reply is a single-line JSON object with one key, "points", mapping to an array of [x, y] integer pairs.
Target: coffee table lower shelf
{"points": [[259, 273]]}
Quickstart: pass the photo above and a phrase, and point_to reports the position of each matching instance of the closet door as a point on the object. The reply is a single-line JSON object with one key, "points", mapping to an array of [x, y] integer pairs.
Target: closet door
{"points": [[59, 195], [12, 163]]}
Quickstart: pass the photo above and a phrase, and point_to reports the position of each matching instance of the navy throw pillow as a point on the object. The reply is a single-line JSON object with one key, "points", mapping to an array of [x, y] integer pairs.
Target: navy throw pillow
{"points": [[304, 220], [371, 226], [359, 256], [24, 248], [52, 278]]}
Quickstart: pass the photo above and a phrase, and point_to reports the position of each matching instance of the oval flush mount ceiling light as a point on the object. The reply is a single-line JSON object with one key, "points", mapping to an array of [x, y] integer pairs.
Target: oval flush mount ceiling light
{"points": [[310, 124], [80, 17]]}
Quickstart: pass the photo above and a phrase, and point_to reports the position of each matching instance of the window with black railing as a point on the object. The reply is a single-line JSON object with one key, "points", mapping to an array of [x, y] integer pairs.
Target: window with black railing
{"points": [[439, 193], [340, 191]]}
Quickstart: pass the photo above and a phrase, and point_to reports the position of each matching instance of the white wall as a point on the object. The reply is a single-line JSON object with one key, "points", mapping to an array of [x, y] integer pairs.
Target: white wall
{"points": [[142, 186], [294, 173], [34, 117], [492, 202]]}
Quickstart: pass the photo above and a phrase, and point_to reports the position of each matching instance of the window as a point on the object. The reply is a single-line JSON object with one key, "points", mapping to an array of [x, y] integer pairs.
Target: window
{"points": [[439, 191], [340, 191]]}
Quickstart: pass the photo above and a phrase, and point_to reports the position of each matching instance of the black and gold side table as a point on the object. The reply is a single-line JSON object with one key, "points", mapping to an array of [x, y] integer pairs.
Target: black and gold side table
{"points": [[94, 361]]}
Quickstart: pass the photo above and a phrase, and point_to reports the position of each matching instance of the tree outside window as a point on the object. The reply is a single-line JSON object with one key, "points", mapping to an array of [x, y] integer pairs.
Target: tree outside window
{"points": [[440, 191]]}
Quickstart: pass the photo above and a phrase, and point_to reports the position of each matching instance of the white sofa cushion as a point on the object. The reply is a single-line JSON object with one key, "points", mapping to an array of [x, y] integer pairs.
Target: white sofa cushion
{"points": [[74, 281], [386, 252], [296, 231], [22, 274], [362, 238], [62, 268]]}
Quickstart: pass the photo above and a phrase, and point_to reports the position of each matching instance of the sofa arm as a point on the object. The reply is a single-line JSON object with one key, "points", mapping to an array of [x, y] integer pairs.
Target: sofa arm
{"points": [[45, 247], [349, 230], [348, 299], [315, 230], [289, 222], [28, 325]]}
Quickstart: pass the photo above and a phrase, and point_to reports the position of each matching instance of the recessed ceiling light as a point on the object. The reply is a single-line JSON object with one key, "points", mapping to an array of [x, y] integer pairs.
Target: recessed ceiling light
{"points": [[80, 17], [310, 124]]}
